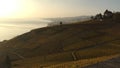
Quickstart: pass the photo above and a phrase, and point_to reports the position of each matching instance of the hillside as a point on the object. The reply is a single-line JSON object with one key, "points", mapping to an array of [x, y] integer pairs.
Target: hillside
{"points": [[70, 19], [112, 63], [63, 43], [67, 20]]}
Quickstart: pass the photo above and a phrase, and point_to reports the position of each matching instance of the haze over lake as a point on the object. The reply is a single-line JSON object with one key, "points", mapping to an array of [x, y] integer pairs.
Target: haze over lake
{"points": [[10, 29]]}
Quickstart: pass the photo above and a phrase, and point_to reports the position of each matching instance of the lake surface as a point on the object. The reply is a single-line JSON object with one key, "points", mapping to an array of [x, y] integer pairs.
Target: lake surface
{"points": [[11, 29]]}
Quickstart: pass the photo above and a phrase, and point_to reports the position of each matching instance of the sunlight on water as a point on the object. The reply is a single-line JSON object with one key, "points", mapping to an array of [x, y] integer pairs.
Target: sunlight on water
{"points": [[9, 30]]}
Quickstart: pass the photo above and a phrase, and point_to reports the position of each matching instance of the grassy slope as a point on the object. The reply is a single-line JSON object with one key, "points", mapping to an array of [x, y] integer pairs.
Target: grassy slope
{"points": [[82, 63], [53, 45]]}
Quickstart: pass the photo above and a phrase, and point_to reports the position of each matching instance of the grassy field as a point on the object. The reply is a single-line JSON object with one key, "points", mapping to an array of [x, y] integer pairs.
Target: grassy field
{"points": [[82, 63], [81, 43]]}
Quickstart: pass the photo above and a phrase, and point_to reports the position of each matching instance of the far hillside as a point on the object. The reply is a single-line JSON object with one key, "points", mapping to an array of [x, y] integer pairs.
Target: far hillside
{"points": [[67, 20]]}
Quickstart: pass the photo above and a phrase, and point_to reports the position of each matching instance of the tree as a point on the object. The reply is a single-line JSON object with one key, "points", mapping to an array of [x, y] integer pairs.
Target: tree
{"points": [[108, 14]]}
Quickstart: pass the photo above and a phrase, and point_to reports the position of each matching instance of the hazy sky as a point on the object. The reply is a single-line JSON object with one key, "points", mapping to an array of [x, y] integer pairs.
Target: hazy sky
{"points": [[20, 16], [54, 8]]}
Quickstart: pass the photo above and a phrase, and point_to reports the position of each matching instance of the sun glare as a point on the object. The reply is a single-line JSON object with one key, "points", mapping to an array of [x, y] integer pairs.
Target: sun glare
{"points": [[8, 7]]}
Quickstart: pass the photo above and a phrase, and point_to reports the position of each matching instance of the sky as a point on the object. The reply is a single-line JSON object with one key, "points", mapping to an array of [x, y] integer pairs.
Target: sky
{"points": [[20, 16], [54, 8]]}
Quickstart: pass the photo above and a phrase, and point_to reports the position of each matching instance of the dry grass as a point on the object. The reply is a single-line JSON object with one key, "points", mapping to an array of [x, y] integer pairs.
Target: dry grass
{"points": [[91, 42], [82, 63]]}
